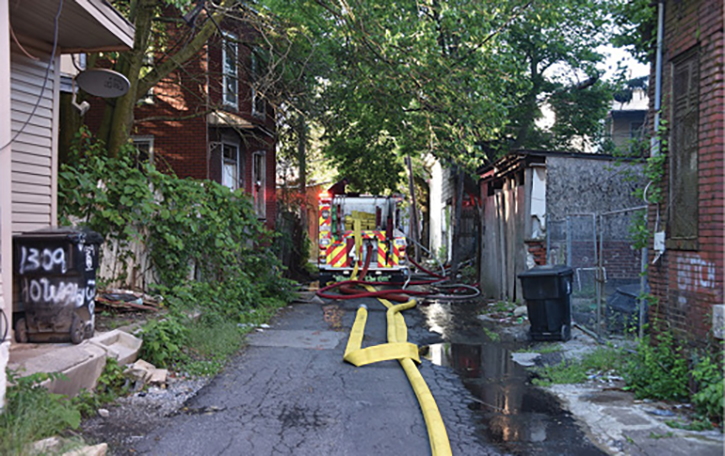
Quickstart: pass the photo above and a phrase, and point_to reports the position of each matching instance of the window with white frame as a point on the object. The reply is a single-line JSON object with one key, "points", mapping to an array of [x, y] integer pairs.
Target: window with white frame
{"points": [[230, 76], [259, 178], [230, 166], [144, 144], [259, 107]]}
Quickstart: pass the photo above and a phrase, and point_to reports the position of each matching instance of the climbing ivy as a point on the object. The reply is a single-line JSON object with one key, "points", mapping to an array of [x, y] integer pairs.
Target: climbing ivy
{"points": [[204, 241]]}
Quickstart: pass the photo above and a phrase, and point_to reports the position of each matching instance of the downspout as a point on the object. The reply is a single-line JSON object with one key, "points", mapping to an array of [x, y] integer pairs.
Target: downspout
{"points": [[207, 108], [654, 150], [655, 143]]}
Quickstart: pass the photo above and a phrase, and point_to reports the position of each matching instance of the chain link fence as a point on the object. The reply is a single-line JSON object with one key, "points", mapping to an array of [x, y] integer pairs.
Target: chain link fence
{"points": [[608, 268]]}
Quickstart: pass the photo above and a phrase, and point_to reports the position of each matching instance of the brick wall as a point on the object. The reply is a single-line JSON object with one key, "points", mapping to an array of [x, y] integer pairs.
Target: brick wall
{"points": [[688, 279], [537, 249], [177, 117], [178, 120]]}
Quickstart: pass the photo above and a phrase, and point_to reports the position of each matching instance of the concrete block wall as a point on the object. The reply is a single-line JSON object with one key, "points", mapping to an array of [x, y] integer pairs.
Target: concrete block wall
{"points": [[688, 281]]}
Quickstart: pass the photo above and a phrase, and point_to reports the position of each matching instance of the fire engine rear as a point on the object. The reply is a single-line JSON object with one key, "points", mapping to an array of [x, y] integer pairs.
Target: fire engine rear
{"points": [[355, 227]]}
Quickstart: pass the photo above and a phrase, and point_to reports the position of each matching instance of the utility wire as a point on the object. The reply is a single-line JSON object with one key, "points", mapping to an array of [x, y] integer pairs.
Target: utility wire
{"points": [[45, 79]]}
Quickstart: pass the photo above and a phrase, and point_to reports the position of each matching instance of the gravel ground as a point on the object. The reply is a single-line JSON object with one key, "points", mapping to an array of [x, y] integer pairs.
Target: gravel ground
{"points": [[132, 417]]}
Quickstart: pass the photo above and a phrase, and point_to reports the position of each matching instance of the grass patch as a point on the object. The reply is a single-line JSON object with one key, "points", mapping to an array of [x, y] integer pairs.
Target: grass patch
{"points": [[211, 345], [502, 306], [578, 371], [696, 425], [549, 348]]}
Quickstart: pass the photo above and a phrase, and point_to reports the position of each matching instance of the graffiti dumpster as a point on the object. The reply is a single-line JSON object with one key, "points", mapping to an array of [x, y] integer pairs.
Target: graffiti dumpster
{"points": [[55, 269]]}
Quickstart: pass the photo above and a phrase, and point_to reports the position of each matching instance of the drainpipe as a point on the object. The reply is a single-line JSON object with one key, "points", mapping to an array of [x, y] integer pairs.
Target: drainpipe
{"points": [[655, 143]]}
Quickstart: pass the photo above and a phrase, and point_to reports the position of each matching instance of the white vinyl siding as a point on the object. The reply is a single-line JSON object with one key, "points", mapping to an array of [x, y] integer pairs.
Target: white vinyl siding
{"points": [[33, 158]]}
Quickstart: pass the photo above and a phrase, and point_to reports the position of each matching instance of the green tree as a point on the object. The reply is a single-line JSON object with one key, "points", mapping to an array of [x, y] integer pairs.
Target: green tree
{"points": [[461, 80], [172, 42]]}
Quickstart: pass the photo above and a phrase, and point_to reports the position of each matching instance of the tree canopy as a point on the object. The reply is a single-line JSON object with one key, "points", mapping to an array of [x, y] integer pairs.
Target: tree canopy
{"points": [[463, 80]]}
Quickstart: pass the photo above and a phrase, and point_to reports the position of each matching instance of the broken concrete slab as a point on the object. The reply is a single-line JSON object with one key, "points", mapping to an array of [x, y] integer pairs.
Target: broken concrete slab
{"points": [[158, 376], [626, 427], [140, 371], [92, 450], [59, 445], [80, 364], [120, 345]]}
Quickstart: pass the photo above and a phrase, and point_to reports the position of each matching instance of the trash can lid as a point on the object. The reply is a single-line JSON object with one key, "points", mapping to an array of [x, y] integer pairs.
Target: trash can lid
{"points": [[547, 271], [63, 233]]}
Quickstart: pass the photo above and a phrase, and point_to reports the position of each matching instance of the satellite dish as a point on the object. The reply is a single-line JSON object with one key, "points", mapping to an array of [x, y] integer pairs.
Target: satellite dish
{"points": [[103, 83]]}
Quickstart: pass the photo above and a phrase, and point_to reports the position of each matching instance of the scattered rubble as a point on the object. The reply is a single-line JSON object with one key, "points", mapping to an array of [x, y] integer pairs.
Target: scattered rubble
{"points": [[126, 300]]}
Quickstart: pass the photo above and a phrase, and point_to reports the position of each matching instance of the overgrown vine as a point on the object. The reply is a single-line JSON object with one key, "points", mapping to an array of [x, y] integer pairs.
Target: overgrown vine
{"points": [[209, 251]]}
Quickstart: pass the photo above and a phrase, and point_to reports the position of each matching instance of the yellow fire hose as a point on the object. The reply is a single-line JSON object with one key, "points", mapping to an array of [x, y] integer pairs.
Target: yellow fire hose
{"points": [[407, 355], [398, 348]]}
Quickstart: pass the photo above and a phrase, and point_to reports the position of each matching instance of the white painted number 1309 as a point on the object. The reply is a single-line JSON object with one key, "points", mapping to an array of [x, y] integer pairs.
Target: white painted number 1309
{"points": [[32, 259]]}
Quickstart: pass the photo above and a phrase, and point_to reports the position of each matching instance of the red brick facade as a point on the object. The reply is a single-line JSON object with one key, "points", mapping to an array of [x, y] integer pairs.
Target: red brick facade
{"points": [[188, 140], [687, 279]]}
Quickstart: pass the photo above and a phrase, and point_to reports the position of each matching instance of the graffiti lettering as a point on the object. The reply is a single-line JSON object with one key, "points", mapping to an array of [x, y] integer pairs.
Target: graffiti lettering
{"points": [[43, 290], [32, 259], [694, 273]]}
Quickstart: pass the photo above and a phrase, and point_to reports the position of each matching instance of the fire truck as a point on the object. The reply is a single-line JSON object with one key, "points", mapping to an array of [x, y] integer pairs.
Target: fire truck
{"points": [[354, 227]]}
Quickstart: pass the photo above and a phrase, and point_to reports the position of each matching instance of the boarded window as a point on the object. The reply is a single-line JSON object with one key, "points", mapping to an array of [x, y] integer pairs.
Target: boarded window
{"points": [[683, 209]]}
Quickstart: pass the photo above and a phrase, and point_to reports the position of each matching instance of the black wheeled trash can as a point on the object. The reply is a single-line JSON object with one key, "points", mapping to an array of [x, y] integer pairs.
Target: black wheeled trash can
{"points": [[56, 273], [547, 291]]}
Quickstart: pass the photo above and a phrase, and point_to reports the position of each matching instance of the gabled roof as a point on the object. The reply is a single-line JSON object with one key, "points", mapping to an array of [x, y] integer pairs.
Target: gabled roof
{"points": [[84, 25]]}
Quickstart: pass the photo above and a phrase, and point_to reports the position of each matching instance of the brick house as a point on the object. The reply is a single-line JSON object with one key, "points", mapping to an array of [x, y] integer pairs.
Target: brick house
{"points": [[207, 120], [686, 273]]}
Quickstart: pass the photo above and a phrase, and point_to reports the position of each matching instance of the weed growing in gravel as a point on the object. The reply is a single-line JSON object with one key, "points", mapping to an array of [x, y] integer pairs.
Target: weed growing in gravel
{"points": [[32, 413], [112, 384], [493, 335]]}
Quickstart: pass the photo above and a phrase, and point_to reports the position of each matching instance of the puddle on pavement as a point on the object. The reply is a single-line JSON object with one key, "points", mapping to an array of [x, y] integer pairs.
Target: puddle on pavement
{"points": [[514, 415]]}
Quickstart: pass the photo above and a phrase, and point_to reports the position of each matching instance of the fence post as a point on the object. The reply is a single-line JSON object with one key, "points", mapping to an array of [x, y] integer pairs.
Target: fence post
{"points": [[599, 275], [548, 239], [568, 240]]}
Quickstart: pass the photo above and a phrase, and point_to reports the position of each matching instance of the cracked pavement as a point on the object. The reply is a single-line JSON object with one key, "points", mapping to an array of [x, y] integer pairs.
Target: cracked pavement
{"points": [[299, 398]]}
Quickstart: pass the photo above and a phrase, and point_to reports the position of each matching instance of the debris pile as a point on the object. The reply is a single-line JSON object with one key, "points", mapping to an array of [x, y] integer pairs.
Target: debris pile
{"points": [[127, 300]]}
